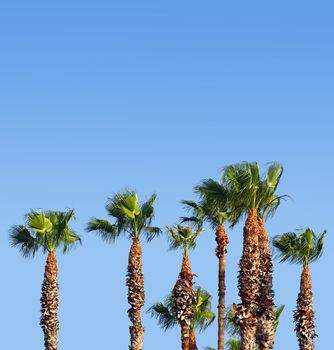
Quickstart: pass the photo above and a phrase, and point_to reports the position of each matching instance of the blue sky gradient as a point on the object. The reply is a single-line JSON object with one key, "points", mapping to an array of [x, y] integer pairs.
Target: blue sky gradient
{"points": [[97, 96]]}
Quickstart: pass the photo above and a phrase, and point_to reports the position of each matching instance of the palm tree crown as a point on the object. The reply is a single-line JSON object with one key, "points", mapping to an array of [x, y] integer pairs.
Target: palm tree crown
{"points": [[183, 238], [130, 216], [248, 190], [203, 316], [301, 247], [46, 230]]}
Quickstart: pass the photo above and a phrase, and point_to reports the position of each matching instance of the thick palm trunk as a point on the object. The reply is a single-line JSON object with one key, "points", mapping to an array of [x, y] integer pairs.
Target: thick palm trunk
{"points": [[222, 242], [265, 332], [136, 295], [248, 283], [192, 339], [304, 315], [184, 299], [49, 303]]}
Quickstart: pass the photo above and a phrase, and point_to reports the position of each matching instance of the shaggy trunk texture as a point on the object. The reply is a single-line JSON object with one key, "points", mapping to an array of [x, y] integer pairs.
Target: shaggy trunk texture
{"points": [[248, 283], [136, 295], [304, 315], [192, 340], [265, 332], [222, 242], [184, 301], [49, 303]]}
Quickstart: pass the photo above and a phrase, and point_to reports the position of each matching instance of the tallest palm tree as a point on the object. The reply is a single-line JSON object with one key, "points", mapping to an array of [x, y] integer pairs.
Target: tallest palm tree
{"points": [[253, 195], [133, 219]]}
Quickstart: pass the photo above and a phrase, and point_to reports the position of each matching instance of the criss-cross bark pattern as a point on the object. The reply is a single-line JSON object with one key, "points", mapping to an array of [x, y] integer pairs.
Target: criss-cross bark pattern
{"points": [[192, 340], [265, 332], [248, 283], [49, 303], [304, 315], [221, 250], [136, 294], [184, 301]]}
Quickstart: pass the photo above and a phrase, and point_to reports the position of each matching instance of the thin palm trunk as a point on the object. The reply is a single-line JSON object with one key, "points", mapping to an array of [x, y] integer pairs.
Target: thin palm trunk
{"points": [[136, 294], [192, 339], [304, 315], [184, 299], [49, 303], [222, 242], [248, 282], [265, 332]]}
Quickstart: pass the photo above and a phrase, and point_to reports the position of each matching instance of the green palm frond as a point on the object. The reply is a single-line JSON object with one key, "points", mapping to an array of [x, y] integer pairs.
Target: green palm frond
{"points": [[20, 237], [278, 311], [301, 247], [163, 313], [104, 228], [203, 316], [151, 232], [46, 230], [233, 344]]}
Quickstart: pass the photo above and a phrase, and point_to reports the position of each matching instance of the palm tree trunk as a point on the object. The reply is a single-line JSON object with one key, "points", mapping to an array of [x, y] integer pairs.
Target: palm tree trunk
{"points": [[265, 332], [248, 282], [49, 303], [184, 301], [192, 339], [136, 295], [222, 242], [304, 315]]}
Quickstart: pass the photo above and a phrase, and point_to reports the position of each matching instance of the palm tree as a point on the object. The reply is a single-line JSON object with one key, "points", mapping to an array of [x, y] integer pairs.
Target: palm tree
{"points": [[133, 219], [202, 319], [183, 295], [214, 208], [303, 248], [46, 231], [251, 195]]}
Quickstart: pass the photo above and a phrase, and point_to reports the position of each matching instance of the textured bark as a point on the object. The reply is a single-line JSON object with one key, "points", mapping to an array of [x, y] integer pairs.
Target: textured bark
{"points": [[222, 242], [192, 340], [49, 303], [136, 295], [248, 283], [304, 315], [265, 332], [184, 301]]}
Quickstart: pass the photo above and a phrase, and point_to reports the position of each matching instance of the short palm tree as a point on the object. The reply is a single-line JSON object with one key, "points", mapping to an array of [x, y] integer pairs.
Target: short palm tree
{"points": [[183, 295], [133, 219], [47, 231], [213, 207], [203, 316], [251, 195], [302, 248]]}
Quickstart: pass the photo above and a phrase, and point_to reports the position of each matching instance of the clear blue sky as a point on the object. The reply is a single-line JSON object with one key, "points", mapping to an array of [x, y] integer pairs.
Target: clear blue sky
{"points": [[99, 95]]}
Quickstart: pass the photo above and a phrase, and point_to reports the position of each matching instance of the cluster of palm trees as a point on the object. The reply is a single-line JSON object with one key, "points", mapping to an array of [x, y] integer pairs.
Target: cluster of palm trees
{"points": [[241, 194]]}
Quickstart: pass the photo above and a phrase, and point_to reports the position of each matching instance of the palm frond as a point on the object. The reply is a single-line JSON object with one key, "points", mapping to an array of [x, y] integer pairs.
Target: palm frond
{"points": [[163, 314], [233, 344], [151, 232], [104, 228], [20, 237]]}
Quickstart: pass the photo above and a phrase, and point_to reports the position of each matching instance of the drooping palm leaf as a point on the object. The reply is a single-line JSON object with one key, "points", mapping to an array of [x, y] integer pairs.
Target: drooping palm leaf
{"points": [[301, 247]]}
